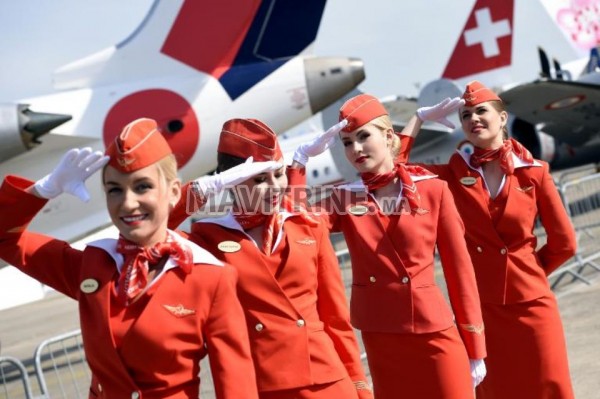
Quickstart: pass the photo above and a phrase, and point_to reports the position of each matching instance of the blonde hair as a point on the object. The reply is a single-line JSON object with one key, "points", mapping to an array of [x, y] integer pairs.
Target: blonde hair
{"points": [[383, 123], [167, 168]]}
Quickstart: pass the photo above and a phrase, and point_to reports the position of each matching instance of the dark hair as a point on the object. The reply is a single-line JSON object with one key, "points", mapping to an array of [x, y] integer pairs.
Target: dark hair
{"points": [[226, 161]]}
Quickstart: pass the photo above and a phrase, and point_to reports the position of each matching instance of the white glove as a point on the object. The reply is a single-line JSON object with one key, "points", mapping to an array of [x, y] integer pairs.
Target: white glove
{"points": [[318, 145], [213, 184], [439, 112], [478, 371], [70, 174]]}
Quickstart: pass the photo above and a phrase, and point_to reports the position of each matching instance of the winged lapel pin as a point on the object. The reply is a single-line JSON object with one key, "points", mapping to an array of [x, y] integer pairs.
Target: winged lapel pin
{"points": [[179, 310], [525, 189], [306, 241]]}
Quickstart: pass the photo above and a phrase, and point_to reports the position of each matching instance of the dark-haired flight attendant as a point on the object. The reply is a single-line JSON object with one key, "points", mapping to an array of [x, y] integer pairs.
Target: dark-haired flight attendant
{"points": [[151, 303], [500, 190], [393, 220], [290, 284]]}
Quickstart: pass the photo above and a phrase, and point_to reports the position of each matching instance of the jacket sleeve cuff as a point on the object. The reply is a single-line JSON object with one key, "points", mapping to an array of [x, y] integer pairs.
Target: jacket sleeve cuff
{"points": [[473, 336]]}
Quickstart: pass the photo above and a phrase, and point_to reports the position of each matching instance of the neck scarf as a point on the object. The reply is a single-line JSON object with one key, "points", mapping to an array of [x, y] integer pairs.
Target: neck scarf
{"points": [[480, 156], [134, 274], [273, 223], [373, 181]]}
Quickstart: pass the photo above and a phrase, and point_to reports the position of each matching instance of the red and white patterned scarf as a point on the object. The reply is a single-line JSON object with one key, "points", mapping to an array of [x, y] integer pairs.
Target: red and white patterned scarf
{"points": [[273, 222], [134, 274], [504, 153], [373, 181]]}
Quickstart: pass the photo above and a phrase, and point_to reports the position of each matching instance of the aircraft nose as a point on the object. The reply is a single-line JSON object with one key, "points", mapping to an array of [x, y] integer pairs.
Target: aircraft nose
{"points": [[329, 78]]}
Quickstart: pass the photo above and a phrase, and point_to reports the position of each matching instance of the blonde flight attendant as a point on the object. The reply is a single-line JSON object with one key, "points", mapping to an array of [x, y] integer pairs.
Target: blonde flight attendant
{"points": [[500, 190], [290, 284], [393, 219], [151, 304]]}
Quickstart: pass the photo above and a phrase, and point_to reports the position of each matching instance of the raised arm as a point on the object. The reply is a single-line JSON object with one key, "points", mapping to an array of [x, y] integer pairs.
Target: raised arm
{"points": [[437, 113], [317, 145], [50, 261], [196, 193]]}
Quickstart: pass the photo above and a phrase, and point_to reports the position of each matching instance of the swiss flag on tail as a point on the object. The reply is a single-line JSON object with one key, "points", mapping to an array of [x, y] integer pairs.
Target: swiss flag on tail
{"points": [[486, 40]]}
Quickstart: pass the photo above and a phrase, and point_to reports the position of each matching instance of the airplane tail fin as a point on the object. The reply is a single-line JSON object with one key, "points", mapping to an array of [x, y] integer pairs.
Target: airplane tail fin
{"points": [[579, 22], [485, 42], [212, 37], [593, 64], [545, 72]]}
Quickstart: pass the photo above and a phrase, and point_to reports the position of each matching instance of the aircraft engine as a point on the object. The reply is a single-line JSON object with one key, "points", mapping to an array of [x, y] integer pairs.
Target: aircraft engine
{"points": [[21, 128], [545, 147], [540, 144]]}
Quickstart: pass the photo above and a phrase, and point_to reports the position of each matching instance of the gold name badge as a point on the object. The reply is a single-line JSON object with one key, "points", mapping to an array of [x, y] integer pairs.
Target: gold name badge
{"points": [[468, 180], [89, 285], [229, 246], [358, 210]]}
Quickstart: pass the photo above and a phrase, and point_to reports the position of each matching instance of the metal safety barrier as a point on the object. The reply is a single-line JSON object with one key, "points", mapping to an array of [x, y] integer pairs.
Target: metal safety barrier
{"points": [[62, 371], [576, 173], [14, 380], [61, 368], [581, 198]]}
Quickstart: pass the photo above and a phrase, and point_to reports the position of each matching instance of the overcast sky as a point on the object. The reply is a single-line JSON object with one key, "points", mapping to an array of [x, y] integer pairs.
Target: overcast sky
{"points": [[404, 44]]}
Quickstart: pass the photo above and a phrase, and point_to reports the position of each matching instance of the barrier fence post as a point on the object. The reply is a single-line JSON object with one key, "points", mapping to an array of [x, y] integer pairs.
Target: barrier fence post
{"points": [[581, 198], [14, 381]]}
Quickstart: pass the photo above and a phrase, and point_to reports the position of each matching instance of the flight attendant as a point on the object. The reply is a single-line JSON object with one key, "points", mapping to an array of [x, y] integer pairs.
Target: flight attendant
{"points": [[393, 220], [500, 190], [289, 283], [151, 303]]}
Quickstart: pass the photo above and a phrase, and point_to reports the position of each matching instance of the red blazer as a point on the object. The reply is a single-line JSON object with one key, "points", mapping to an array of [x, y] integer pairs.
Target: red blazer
{"points": [[508, 267], [294, 301], [187, 316], [393, 287]]}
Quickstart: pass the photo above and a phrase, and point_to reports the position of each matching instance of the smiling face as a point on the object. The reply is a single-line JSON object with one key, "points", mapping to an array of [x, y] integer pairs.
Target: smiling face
{"points": [[139, 202], [368, 148], [262, 193], [483, 124]]}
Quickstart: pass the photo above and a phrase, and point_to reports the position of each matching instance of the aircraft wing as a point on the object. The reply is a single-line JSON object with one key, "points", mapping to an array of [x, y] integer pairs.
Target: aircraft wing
{"points": [[569, 111]]}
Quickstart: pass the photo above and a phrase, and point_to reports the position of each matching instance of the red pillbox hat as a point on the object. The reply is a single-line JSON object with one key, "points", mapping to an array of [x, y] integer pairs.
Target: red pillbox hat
{"points": [[249, 137], [477, 93], [360, 110], [140, 144]]}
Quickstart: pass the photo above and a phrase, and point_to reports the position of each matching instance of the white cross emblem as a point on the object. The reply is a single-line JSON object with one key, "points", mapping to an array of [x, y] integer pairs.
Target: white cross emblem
{"points": [[487, 32]]}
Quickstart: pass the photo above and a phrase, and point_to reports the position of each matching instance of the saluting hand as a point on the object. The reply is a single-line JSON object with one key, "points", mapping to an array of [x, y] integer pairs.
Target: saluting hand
{"points": [[69, 176], [439, 112], [210, 185], [318, 145]]}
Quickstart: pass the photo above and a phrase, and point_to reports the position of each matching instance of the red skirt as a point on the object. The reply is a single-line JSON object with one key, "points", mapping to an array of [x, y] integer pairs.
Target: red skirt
{"points": [[338, 389], [418, 366], [526, 352]]}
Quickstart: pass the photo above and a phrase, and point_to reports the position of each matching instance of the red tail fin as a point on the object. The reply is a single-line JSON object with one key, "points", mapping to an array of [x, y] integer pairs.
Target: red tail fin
{"points": [[485, 42]]}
